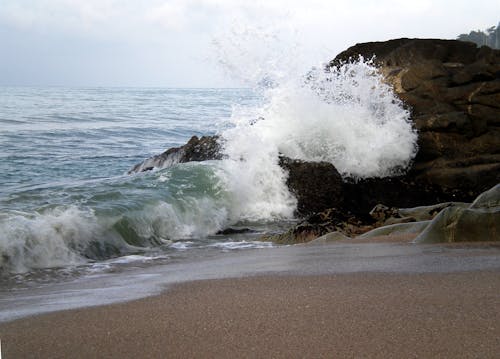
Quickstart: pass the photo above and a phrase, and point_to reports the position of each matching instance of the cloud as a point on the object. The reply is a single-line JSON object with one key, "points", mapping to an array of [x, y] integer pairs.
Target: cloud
{"points": [[167, 36]]}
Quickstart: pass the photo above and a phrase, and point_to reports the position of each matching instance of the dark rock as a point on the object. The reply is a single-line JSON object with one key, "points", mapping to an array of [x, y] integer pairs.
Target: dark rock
{"points": [[316, 185], [231, 230], [197, 149], [381, 213], [453, 91], [401, 192], [319, 224]]}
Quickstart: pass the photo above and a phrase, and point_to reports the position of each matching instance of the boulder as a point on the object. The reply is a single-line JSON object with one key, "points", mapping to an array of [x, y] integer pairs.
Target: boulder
{"points": [[479, 222], [197, 149], [453, 91], [316, 185]]}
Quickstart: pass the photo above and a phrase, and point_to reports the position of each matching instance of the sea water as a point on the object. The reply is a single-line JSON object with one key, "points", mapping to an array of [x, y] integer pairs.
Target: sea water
{"points": [[67, 202]]}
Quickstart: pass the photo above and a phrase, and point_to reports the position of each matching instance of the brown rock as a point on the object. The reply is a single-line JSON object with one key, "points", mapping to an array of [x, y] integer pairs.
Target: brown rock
{"points": [[316, 185], [453, 91]]}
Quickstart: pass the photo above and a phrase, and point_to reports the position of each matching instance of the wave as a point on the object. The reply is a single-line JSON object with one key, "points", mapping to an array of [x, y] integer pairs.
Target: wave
{"points": [[346, 115]]}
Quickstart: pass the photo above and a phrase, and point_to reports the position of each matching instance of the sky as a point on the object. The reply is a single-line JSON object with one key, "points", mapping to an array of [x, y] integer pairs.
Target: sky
{"points": [[200, 43]]}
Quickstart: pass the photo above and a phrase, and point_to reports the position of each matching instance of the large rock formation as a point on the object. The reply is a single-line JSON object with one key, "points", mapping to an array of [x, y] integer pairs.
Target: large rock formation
{"points": [[453, 91]]}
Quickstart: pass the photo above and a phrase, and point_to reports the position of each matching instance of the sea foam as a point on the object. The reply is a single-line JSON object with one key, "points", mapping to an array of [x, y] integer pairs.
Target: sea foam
{"points": [[345, 115]]}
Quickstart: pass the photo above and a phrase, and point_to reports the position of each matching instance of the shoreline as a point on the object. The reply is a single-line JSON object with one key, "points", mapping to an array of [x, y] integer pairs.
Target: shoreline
{"points": [[387, 254], [330, 315]]}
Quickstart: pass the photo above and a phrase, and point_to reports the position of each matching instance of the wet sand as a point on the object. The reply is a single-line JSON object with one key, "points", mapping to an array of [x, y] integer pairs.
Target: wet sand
{"points": [[376, 315]]}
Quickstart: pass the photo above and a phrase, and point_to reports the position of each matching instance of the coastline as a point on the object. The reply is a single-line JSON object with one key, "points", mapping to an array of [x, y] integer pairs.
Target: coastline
{"points": [[343, 299], [336, 315]]}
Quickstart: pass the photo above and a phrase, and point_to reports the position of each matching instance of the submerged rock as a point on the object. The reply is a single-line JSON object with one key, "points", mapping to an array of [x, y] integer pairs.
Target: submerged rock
{"points": [[197, 149], [232, 230]]}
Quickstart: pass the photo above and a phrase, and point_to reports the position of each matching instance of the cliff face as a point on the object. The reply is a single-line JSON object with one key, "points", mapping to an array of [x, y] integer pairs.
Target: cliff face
{"points": [[453, 91]]}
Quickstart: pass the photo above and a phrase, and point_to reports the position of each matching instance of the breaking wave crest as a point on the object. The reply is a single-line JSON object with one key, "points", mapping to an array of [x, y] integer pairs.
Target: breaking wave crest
{"points": [[344, 115]]}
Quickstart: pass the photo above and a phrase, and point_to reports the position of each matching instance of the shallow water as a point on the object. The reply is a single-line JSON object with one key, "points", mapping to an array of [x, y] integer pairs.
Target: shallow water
{"points": [[65, 200], [129, 282]]}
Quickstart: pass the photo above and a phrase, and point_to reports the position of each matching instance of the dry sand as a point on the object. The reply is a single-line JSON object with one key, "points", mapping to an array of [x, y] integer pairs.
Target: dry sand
{"points": [[361, 315]]}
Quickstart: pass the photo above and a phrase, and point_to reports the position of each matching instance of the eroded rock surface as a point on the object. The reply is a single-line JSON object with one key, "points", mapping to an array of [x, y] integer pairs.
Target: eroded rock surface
{"points": [[453, 91], [479, 222]]}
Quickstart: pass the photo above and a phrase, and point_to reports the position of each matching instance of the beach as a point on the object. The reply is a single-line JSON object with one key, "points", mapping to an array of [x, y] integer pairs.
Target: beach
{"points": [[171, 222], [375, 312], [347, 315]]}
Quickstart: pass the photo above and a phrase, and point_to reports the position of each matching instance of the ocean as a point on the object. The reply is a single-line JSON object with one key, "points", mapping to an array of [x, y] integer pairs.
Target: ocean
{"points": [[68, 208], [65, 197]]}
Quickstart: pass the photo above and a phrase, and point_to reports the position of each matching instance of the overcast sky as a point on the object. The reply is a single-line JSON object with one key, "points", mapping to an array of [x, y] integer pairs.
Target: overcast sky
{"points": [[171, 42]]}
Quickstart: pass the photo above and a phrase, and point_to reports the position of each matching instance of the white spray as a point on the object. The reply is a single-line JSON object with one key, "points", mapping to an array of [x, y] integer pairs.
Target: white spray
{"points": [[346, 116]]}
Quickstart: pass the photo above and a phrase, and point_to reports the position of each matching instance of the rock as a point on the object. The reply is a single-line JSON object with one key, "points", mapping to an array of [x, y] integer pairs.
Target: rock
{"points": [[453, 91], [488, 200], [232, 230], [197, 149], [329, 238], [316, 185], [400, 192], [479, 222], [400, 228], [319, 224], [384, 215], [399, 220], [381, 213], [424, 213]]}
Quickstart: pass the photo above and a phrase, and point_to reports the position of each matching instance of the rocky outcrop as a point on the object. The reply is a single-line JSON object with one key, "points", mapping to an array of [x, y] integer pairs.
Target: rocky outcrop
{"points": [[453, 91], [441, 223], [479, 222], [316, 185], [197, 149]]}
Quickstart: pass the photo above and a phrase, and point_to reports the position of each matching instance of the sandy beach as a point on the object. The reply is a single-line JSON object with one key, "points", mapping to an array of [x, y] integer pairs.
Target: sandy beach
{"points": [[376, 315]]}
